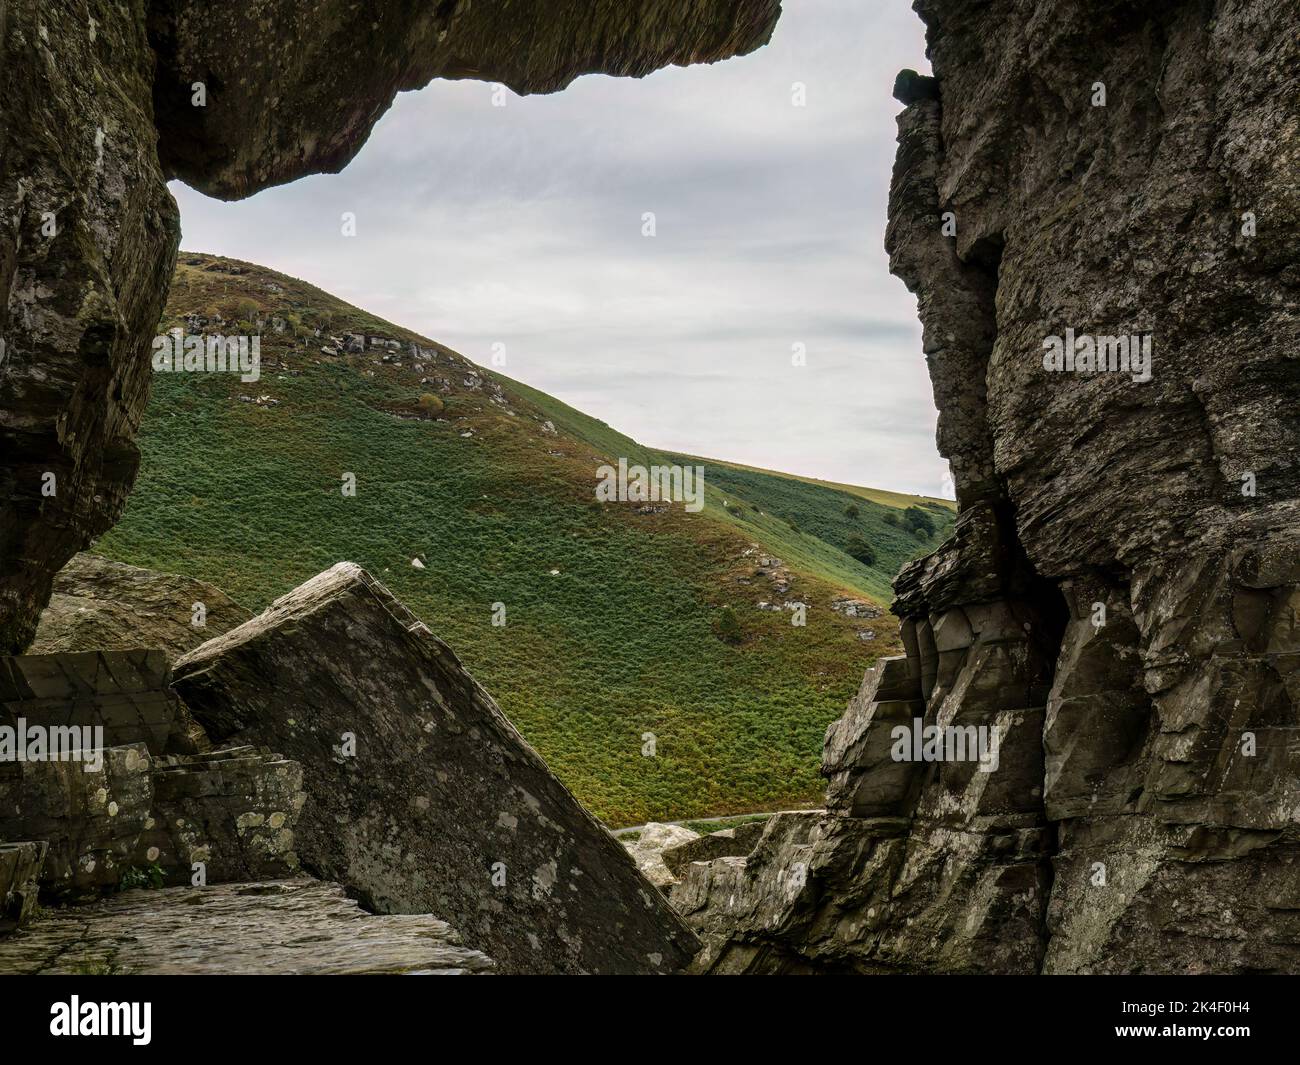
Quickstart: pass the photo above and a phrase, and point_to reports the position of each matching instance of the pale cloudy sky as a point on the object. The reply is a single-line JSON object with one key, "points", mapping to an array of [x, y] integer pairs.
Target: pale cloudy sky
{"points": [[522, 225]]}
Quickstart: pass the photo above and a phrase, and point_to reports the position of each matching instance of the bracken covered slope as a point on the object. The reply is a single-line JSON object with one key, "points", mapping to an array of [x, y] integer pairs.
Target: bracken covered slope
{"points": [[101, 102], [1120, 603]]}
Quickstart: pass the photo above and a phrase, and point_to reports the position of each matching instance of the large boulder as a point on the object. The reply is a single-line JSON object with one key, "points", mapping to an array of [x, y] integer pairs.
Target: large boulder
{"points": [[98, 604], [423, 798], [101, 104]]}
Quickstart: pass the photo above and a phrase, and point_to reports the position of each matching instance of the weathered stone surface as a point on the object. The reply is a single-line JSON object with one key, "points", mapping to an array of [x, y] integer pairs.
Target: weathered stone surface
{"points": [[88, 235], [103, 605], [422, 796], [98, 107], [127, 694], [647, 851], [90, 812], [234, 811], [334, 70], [285, 927], [725, 843], [20, 869], [1116, 603]]}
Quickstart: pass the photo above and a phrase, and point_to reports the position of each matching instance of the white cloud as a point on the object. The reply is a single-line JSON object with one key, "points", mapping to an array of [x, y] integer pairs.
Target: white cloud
{"points": [[522, 224]]}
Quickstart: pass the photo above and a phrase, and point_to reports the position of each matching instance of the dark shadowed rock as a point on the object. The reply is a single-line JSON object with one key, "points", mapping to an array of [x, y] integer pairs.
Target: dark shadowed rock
{"points": [[333, 69], [20, 870], [125, 693], [422, 796], [1119, 601], [88, 235], [103, 605]]}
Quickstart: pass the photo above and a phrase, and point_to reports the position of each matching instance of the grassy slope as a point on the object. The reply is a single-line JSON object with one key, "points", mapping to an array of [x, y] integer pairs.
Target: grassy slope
{"points": [[617, 643]]}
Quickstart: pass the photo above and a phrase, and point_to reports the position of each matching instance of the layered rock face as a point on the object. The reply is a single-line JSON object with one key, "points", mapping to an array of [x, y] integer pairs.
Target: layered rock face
{"points": [[1117, 610], [423, 798], [88, 235], [100, 103]]}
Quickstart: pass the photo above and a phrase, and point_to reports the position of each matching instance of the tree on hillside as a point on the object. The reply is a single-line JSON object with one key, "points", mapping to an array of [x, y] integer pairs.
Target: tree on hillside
{"points": [[852, 511], [861, 550]]}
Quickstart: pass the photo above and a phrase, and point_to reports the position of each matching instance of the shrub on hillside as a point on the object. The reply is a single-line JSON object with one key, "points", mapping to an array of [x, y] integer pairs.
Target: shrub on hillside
{"points": [[858, 548], [727, 626], [917, 520], [431, 406], [852, 511]]}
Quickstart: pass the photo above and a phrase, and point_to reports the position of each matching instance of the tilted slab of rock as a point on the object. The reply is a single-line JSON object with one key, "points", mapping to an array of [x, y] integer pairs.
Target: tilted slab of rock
{"points": [[285, 927], [102, 605], [100, 106], [423, 798]]}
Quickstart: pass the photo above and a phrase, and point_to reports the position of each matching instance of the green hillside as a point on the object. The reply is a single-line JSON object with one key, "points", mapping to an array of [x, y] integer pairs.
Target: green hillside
{"points": [[620, 620]]}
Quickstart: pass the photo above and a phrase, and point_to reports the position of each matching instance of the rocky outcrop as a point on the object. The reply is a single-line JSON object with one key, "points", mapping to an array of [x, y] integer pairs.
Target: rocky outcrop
{"points": [[725, 843], [648, 848], [1116, 613], [88, 235], [333, 71], [282, 928], [422, 796], [101, 103], [99, 759], [102, 605]]}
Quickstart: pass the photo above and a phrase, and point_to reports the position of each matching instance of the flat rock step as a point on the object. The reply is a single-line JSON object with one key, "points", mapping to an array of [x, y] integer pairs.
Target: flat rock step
{"points": [[277, 927]]}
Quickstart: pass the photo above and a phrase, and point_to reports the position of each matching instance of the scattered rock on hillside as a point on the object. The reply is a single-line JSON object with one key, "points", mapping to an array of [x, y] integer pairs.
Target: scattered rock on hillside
{"points": [[423, 796]]}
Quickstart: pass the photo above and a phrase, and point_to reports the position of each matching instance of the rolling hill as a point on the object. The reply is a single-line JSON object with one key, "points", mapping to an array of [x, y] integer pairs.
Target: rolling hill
{"points": [[647, 652]]}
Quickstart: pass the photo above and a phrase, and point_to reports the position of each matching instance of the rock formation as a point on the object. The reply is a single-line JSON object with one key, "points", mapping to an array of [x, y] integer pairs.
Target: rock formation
{"points": [[100, 104], [280, 927], [1117, 609], [422, 796]]}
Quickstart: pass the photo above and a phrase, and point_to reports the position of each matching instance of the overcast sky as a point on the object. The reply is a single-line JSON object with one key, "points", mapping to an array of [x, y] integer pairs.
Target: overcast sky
{"points": [[522, 225]]}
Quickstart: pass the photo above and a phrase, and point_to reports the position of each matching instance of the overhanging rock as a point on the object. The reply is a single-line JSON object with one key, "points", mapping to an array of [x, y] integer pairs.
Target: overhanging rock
{"points": [[423, 797]]}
